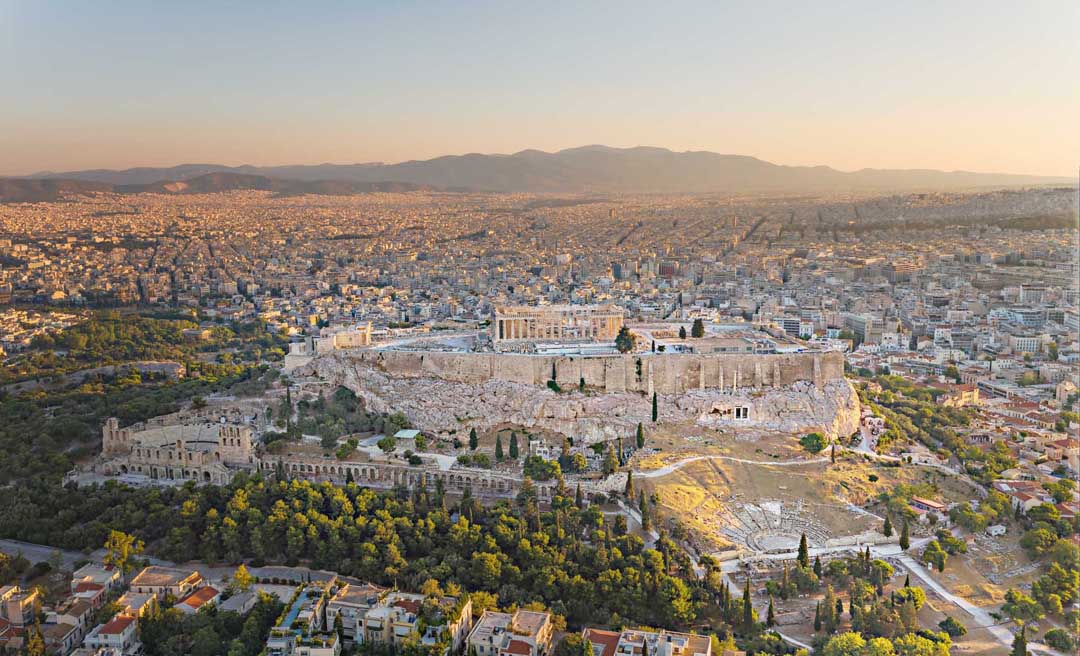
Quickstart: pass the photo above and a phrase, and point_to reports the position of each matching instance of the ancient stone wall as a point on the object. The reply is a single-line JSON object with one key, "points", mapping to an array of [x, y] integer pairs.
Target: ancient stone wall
{"points": [[646, 373]]}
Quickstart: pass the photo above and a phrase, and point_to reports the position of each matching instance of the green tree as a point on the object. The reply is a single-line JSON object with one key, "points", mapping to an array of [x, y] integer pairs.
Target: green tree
{"points": [[640, 436], [770, 617], [804, 552], [1019, 645], [953, 627], [610, 463], [682, 332], [845, 644], [474, 441], [747, 609], [628, 489], [513, 446], [697, 330], [498, 448], [624, 341], [905, 537], [886, 530], [655, 409]]}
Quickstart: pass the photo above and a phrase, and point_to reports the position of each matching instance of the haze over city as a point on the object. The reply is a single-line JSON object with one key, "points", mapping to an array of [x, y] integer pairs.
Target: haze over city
{"points": [[966, 85]]}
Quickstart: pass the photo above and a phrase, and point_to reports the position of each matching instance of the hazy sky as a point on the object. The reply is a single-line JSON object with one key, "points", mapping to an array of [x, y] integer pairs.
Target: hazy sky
{"points": [[983, 86]]}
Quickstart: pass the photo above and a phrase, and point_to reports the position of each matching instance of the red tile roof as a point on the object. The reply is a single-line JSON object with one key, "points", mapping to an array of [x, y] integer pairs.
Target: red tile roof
{"points": [[518, 647], [608, 641], [116, 625], [200, 597]]}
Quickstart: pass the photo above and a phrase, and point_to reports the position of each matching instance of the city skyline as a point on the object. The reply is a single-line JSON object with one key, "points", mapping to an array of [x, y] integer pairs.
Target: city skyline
{"points": [[961, 88]]}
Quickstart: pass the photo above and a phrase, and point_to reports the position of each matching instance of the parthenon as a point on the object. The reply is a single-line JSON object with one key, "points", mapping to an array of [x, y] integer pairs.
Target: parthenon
{"points": [[556, 322]]}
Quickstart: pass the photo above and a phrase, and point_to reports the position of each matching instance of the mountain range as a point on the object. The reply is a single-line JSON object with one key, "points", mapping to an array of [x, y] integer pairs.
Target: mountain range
{"points": [[588, 168]]}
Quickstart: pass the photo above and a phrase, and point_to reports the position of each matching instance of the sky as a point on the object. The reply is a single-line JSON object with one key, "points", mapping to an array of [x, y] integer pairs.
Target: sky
{"points": [[979, 86]]}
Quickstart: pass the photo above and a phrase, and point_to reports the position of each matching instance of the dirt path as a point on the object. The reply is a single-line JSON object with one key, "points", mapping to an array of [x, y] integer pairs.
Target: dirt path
{"points": [[667, 469]]}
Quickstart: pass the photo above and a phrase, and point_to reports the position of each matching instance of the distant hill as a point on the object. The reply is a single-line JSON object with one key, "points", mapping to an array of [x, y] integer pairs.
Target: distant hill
{"points": [[21, 190], [594, 168], [26, 190]]}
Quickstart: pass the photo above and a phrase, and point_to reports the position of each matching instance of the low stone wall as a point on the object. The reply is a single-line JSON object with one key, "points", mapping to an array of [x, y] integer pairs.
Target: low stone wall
{"points": [[646, 373]]}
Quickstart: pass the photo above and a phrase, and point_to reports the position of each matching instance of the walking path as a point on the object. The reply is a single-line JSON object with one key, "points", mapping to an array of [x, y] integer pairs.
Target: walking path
{"points": [[667, 469]]}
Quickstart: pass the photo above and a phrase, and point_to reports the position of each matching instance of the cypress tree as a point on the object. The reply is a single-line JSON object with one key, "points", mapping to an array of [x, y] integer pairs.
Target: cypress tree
{"points": [[628, 491], [655, 412], [498, 448], [513, 446], [748, 608], [817, 566], [887, 529], [804, 552], [907, 580], [474, 441], [640, 436], [905, 537], [770, 619], [577, 496], [817, 617], [839, 610], [348, 476], [785, 583], [1019, 645]]}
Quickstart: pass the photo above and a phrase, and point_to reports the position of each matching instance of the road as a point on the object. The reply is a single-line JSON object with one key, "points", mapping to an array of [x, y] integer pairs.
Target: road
{"points": [[667, 469]]}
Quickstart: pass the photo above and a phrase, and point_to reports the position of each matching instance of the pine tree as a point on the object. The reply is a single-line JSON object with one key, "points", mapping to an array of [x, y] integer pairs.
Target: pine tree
{"points": [[628, 491], [474, 441], [817, 617], [640, 436], [817, 566], [770, 619], [655, 411], [513, 446], [804, 552], [498, 448], [886, 530], [1019, 645], [905, 537]]}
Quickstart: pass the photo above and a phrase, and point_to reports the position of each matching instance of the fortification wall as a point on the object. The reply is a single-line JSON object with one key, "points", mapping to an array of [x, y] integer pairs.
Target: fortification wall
{"points": [[646, 373]]}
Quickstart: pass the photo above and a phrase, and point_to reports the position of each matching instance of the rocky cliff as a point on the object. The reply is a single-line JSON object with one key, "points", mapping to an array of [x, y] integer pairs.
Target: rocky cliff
{"points": [[442, 406]]}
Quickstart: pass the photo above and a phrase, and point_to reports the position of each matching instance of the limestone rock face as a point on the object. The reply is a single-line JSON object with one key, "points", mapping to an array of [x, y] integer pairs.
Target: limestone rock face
{"points": [[440, 406]]}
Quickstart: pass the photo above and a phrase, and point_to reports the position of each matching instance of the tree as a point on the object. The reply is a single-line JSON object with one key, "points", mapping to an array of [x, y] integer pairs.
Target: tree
{"points": [[640, 436], [747, 609], [611, 463], [697, 330], [770, 618], [655, 412], [513, 446], [804, 552], [1020, 607], [817, 617], [498, 448], [886, 530], [953, 627], [1060, 640], [682, 332], [120, 548], [1019, 645], [628, 490], [474, 441], [817, 566], [845, 644], [624, 341], [577, 496], [35, 644], [814, 442], [905, 537], [242, 579]]}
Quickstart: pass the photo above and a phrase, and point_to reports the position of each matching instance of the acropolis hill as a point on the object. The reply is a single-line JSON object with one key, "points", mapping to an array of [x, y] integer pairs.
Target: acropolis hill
{"points": [[742, 379]]}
